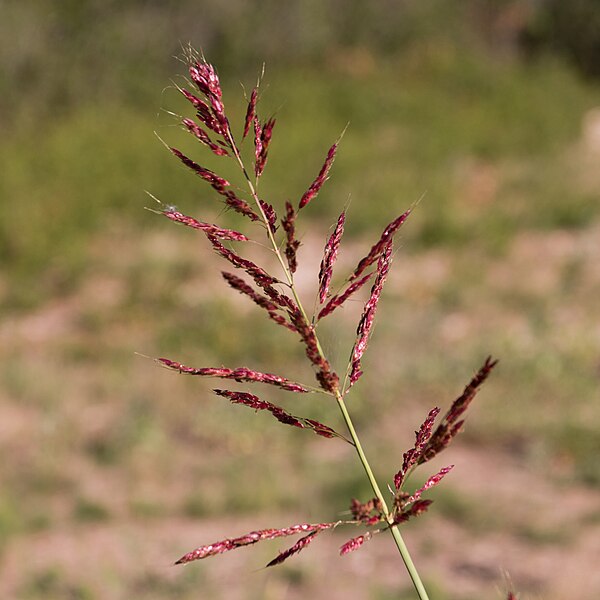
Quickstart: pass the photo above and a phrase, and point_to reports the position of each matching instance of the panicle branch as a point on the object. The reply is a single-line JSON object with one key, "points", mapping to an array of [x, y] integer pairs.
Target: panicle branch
{"points": [[329, 257], [262, 140], [240, 374], [251, 538], [207, 228], [295, 549], [355, 543], [450, 426], [203, 137], [317, 184], [339, 299], [412, 456], [379, 248], [431, 482], [272, 309], [218, 183], [281, 415], [292, 244], [365, 324], [250, 112]]}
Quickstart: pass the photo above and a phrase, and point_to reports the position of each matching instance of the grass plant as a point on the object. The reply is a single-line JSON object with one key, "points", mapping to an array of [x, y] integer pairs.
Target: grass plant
{"points": [[274, 230]]}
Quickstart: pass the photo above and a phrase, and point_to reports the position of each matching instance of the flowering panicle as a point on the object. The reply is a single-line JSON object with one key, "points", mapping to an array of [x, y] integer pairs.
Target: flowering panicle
{"points": [[379, 248], [339, 299], [292, 244], [450, 426], [212, 129], [366, 322], [207, 228], [317, 184], [329, 257], [281, 415], [412, 456], [241, 374]]}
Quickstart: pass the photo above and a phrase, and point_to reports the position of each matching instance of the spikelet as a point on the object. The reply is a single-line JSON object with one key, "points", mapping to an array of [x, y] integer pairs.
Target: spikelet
{"points": [[317, 184], [330, 254]]}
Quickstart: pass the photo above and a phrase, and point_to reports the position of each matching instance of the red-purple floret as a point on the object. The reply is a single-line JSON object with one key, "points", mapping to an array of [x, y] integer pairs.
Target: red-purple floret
{"points": [[207, 228], [207, 81], [354, 543], [250, 112], [218, 183], [281, 415], [262, 140], [431, 482], [330, 254], [272, 309], [339, 299], [239, 206], [378, 248], [295, 549], [270, 214], [317, 184], [292, 244], [203, 137]]}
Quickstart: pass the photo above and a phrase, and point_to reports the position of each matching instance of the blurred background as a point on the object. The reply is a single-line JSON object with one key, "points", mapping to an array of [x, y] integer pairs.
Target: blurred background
{"points": [[489, 112]]}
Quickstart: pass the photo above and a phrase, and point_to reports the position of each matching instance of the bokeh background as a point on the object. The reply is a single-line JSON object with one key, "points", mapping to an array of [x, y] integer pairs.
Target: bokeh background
{"points": [[112, 467]]}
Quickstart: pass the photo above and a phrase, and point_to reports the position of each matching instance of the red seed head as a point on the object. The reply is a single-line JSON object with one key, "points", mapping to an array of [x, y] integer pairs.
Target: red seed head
{"points": [[354, 543]]}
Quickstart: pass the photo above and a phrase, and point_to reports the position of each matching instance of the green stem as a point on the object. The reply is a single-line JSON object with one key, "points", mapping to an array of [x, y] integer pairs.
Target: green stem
{"points": [[404, 553]]}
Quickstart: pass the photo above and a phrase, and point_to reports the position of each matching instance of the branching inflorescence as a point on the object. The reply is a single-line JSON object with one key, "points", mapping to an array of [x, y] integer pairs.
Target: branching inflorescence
{"points": [[279, 298]]}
